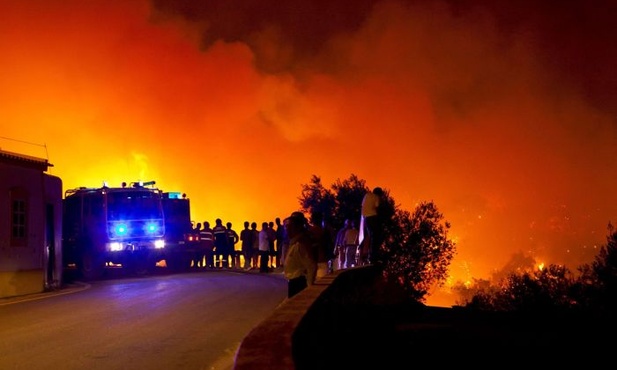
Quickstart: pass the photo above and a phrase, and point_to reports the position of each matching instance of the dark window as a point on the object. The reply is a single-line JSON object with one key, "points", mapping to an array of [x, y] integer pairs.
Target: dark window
{"points": [[19, 217]]}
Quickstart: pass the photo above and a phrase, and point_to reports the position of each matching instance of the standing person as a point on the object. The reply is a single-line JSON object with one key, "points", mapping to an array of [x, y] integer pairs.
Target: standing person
{"points": [[329, 237], [264, 247], [206, 238], [372, 223], [220, 244], [280, 241], [246, 237], [197, 228], [300, 268], [339, 245], [271, 244], [232, 240], [255, 232], [198, 255], [350, 240], [323, 244]]}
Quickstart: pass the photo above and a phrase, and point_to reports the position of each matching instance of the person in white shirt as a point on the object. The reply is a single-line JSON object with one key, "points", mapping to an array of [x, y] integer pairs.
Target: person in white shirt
{"points": [[300, 268], [371, 223]]}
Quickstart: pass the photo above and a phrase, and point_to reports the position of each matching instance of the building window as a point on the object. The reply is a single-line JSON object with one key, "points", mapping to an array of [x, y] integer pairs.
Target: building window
{"points": [[19, 217]]}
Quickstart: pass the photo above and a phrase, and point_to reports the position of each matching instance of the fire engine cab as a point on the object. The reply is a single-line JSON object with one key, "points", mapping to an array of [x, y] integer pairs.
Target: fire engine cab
{"points": [[113, 226]]}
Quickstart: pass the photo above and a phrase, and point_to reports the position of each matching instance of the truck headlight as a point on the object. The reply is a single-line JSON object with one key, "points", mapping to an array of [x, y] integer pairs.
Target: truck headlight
{"points": [[115, 247]]}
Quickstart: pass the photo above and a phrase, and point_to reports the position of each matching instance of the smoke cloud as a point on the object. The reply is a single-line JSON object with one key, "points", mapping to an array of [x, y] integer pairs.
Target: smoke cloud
{"points": [[502, 113]]}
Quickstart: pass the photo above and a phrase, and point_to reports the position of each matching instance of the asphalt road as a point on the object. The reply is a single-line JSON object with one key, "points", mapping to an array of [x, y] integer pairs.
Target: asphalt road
{"points": [[182, 321]]}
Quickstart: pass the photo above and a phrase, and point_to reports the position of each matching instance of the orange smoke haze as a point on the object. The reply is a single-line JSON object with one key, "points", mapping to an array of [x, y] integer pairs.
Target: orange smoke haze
{"points": [[504, 117]]}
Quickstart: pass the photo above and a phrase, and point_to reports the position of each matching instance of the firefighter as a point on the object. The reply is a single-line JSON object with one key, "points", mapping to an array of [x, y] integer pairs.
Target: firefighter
{"points": [[206, 239], [232, 240], [221, 248]]}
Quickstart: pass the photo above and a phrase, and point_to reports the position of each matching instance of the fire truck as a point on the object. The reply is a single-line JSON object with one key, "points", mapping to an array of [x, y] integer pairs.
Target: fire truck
{"points": [[134, 227], [112, 227]]}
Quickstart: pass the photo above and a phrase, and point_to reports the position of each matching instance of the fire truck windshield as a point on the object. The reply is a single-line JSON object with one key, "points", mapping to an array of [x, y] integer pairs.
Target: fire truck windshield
{"points": [[133, 204]]}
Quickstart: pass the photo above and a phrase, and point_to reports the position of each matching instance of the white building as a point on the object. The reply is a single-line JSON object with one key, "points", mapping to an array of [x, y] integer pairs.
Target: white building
{"points": [[30, 226]]}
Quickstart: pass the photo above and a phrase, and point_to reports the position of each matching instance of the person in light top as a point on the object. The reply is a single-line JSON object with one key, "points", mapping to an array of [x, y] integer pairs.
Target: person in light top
{"points": [[300, 267], [371, 223], [264, 248]]}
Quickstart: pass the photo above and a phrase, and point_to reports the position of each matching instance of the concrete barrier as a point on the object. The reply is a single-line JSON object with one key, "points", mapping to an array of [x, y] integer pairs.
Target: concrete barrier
{"points": [[344, 315], [268, 346]]}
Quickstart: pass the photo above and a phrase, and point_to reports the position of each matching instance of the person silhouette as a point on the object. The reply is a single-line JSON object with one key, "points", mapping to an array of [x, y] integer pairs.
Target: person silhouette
{"points": [[232, 240], [220, 244], [300, 268], [371, 221]]}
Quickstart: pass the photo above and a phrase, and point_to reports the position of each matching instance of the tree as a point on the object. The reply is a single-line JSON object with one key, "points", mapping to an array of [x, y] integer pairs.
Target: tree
{"points": [[547, 290], [416, 251], [348, 195], [316, 199], [597, 285], [553, 289]]}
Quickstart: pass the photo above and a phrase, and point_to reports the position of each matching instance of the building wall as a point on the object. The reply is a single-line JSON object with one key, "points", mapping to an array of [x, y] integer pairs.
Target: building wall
{"points": [[24, 268]]}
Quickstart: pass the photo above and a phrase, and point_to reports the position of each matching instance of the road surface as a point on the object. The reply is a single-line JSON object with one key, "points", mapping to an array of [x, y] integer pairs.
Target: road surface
{"points": [[180, 321]]}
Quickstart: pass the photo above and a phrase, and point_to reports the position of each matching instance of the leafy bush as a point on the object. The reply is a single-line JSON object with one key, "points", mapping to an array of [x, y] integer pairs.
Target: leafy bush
{"points": [[417, 251], [553, 288], [541, 290]]}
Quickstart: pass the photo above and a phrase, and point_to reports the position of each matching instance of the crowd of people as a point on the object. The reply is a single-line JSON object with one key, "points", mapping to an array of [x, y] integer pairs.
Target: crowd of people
{"points": [[222, 247], [304, 250]]}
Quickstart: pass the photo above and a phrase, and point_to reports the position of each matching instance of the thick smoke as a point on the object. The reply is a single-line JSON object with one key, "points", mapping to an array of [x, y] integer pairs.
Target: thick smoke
{"points": [[501, 112], [575, 38]]}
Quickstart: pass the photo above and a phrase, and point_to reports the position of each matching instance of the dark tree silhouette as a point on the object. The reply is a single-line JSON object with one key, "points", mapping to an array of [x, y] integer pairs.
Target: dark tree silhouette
{"points": [[554, 288], [348, 195], [597, 286], [316, 199], [416, 252], [546, 290]]}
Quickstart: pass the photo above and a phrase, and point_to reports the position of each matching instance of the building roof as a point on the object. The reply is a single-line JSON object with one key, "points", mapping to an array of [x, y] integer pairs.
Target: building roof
{"points": [[23, 160]]}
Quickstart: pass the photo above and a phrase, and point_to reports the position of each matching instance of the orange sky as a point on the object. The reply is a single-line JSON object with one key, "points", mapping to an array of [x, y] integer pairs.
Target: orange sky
{"points": [[505, 117]]}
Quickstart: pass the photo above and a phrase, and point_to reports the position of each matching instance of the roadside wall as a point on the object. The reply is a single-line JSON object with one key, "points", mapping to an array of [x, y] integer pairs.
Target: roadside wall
{"points": [[269, 345], [339, 316]]}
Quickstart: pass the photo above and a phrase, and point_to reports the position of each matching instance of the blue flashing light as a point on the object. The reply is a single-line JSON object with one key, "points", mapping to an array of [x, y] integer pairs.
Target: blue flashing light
{"points": [[152, 227], [121, 229]]}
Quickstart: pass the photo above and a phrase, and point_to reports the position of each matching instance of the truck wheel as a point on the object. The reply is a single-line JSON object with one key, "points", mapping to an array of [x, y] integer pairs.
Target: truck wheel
{"points": [[92, 266]]}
